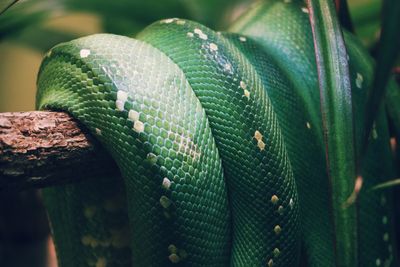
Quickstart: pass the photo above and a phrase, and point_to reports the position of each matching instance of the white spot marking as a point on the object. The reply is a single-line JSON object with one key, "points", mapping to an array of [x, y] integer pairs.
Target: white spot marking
{"points": [[165, 202], [378, 262], [258, 136], [119, 105], [305, 10], [213, 47], [190, 34], [270, 263], [308, 125], [198, 31], [203, 36], [243, 85], [359, 80], [180, 22], [167, 21], [166, 183], [374, 132], [242, 39], [174, 258], [261, 145], [133, 115], [277, 229], [247, 94], [138, 126], [122, 95], [84, 53], [386, 237], [200, 34], [98, 131], [274, 199], [384, 220], [291, 203], [276, 252]]}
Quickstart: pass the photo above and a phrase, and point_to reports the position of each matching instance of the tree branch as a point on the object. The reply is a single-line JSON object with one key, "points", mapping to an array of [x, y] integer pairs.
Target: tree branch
{"points": [[40, 149]]}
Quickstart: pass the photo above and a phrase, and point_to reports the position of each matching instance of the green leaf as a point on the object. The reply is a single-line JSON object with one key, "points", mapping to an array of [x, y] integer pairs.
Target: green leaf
{"points": [[344, 15], [42, 39], [392, 103], [6, 4], [388, 48], [338, 124], [365, 16], [387, 184], [24, 15], [128, 16]]}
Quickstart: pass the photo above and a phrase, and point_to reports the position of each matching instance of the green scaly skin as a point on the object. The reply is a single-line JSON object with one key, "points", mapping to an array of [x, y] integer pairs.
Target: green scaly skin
{"points": [[218, 138], [276, 27]]}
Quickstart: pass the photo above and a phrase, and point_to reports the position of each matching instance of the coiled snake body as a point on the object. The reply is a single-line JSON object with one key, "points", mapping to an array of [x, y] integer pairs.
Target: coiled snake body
{"points": [[219, 142]]}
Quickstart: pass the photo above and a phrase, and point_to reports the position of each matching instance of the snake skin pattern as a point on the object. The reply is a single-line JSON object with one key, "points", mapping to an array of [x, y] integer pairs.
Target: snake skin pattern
{"points": [[219, 142]]}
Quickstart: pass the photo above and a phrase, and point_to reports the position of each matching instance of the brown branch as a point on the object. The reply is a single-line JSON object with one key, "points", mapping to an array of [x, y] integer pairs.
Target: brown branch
{"points": [[39, 149]]}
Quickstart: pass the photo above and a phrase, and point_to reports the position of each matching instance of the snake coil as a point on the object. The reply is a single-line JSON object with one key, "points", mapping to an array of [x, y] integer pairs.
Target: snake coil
{"points": [[219, 142]]}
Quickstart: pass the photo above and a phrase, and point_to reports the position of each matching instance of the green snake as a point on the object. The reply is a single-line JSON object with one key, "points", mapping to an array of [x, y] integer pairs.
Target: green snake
{"points": [[218, 137]]}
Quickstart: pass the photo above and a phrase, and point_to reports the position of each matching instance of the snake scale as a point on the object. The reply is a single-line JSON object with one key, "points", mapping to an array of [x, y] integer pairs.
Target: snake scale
{"points": [[218, 138]]}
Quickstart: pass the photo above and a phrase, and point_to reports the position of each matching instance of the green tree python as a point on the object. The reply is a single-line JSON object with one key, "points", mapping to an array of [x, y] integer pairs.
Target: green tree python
{"points": [[218, 136]]}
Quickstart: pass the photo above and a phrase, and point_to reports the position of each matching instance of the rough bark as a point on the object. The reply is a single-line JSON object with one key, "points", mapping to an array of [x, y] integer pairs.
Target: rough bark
{"points": [[39, 149]]}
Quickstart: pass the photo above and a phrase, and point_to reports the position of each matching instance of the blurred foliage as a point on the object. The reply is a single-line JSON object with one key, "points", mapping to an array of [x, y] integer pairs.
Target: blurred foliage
{"points": [[24, 21], [387, 49], [366, 15], [130, 16], [5, 4]]}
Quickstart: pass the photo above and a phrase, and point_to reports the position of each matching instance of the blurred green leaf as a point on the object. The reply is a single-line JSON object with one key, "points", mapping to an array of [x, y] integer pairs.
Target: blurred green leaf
{"points": [[387, 51], [344, 15], [338, 124], [42, 39], [6, 4], [125, 17], [365, 16], [387, 184], [23, 15], [392, 100], [129, 16], [119, 15]]}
